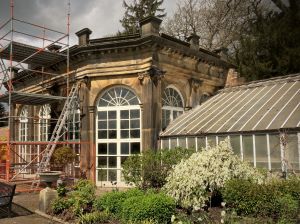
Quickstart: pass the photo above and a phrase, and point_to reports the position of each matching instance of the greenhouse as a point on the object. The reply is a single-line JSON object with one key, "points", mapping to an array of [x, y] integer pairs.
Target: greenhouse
{"points": [[261, 120]]}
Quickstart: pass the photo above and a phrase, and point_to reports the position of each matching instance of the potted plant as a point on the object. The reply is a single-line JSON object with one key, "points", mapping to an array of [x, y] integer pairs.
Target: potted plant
{"points": [[62, 156]]}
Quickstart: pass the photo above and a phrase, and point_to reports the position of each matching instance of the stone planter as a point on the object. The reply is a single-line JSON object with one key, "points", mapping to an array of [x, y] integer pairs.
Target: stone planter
{"points": [[49, 177]]}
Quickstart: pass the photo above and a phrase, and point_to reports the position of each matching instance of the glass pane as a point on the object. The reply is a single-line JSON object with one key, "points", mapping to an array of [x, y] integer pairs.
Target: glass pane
{"points": [[112, 175], [135, 124], [102, 175], [134, 113], [248, 148], [201, 143], [165, 143], [112, 124], [211, 141], [235, 144], [102, 162], [124, 114], [182, 142], [135, 148], [291, 152], [124, 148], [222, 138], [124, 134], [112, 134], [112, 162], [102, 115], [112, 149], [261, 151], [112, 114], [102, 125], [191, 142], [135, 133], [124, 124], [102, 134], [102, 148], [173, 143], [275, 152]]}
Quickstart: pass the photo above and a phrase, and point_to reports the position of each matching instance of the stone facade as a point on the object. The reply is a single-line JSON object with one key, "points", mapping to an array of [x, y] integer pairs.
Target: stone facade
{"points": [[145, 63]]}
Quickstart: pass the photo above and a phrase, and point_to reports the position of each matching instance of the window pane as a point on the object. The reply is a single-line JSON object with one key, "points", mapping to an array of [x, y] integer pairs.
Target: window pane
{"points": [[182, 142], [123, 159], [112, 114], [211, 141], [102, 161], [135, 133], [124, 114], [291, 152], [102, 115], [201, 143], [112, 162], [134, 113], [102, 175], [124, 124], [248, 148], [102, 148], [135, 124], [235, 144], [124, 134], [112, 124], [112, 175], [135, 148], [173, 143], [165, 143], [261, 151], [112, 149], [191, 142], [102, 134], [124, 148], [102, 125], [275, 152], [112, 134]]}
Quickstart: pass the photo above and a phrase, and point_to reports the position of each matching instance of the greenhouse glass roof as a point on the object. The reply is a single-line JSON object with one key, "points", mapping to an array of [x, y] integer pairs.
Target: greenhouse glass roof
{"points": [[271, 104]]}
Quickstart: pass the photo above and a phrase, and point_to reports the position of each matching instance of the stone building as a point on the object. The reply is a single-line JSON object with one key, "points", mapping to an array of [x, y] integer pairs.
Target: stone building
{"points": [[131, 88]]}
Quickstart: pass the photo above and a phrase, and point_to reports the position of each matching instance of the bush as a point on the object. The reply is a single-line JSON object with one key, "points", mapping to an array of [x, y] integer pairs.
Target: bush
{"points": [[193, 181], [94, 218], [150, 169], [265, 200], [63, 156], [155, 207], [112, 201], [59, 205]]}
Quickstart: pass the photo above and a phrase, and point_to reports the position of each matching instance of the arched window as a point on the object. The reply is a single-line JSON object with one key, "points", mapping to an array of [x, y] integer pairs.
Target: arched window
{"points": [[172, 106], [118, 126], [24, 154], [44, 122]]}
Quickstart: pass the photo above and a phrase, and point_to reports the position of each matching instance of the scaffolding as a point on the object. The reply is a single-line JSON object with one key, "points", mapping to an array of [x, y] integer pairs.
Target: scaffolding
{"points": [[24, 155]]}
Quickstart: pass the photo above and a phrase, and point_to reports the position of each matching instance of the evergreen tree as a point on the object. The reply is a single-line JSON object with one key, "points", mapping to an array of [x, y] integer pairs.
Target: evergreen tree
{"points": [[139, 9], [270, 45]]}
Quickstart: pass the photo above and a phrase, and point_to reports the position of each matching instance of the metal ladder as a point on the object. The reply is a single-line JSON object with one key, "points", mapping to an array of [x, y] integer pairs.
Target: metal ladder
{"points": [[56, 134]]}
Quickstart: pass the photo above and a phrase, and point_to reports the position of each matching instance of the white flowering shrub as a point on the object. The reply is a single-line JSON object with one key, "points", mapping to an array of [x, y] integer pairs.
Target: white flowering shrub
{"points": [[193, 180]]}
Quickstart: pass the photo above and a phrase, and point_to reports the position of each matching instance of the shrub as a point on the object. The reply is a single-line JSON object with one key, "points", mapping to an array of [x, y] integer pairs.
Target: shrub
{"points": [[150, 169], [59, 205], [112, 201], [61, 190], [155, 207], [94, 218], [63, 156], [194, 180], [265, 200]]}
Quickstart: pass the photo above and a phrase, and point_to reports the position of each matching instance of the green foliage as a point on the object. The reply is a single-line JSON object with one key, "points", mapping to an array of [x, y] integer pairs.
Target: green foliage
{"points": [[195, 180], [150, 169], [112, 201], [265, 200], [137, 10], [156, 207], [3, 122], [63, 156], [269, 45], [78, 201], [59, 205], [61, 190], [94, 217]]}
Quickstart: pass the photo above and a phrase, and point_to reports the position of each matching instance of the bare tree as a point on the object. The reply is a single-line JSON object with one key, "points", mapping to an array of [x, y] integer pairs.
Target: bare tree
{"points": [[217, 22]]}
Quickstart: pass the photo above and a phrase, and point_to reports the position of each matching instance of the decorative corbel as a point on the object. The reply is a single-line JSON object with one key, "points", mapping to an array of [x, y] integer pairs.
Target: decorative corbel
{"points": [[154, 73], [195, 84]]}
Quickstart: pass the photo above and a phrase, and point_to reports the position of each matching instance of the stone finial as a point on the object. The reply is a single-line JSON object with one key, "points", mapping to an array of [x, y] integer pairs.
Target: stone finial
{"points": [[150, 26], [83, 36], [193, 39]]}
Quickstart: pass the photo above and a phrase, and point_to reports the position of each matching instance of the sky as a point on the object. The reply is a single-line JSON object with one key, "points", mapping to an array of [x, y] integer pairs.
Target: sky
{"points": [[101, 16]]}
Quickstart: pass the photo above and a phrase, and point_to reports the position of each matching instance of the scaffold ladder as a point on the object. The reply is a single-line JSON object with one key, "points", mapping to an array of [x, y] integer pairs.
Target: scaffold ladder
{"points": [[56, 134]]}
